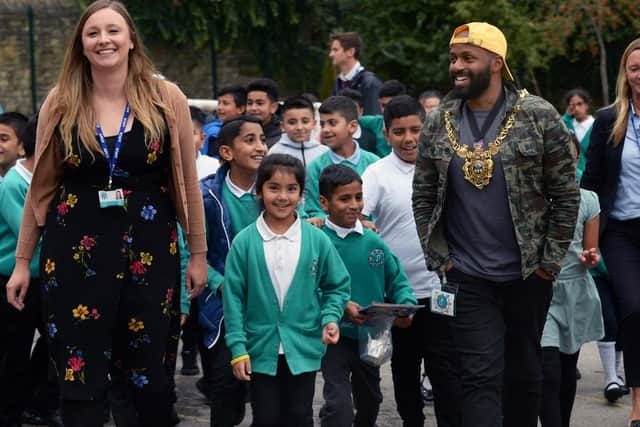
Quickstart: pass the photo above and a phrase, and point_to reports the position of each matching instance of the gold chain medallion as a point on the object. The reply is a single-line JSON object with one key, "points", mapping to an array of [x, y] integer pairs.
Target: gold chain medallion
{"points": [[478, 163]]}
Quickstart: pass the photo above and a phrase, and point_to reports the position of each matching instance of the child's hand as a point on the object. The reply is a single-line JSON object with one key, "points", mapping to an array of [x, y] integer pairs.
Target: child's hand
{"points": [[242, 370], [370, 225], [353, 313], [589, 258], [403, 322], [183, 319], [318, 222], [330, 333]]}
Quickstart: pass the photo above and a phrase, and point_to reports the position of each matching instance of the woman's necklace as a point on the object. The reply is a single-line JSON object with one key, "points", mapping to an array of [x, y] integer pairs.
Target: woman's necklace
{"points": [[478, 163]]}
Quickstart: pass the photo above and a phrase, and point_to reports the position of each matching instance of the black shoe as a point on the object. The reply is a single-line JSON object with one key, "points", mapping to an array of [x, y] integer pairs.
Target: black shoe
{"points": [[174, 419], [55, 420], [189, 363], [201, 385], [240, 414], [613, 392], [427, 395], [624, 386], [634, 423], [29, 417], [578, 374]]}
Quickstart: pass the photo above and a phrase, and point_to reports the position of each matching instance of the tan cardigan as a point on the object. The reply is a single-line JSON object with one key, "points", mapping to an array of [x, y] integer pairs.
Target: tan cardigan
{"points": [[184, 189]]}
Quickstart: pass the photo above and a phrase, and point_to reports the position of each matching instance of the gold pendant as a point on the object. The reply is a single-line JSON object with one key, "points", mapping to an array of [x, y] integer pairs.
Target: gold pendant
{"points": [[478, 164], [478, 167]]}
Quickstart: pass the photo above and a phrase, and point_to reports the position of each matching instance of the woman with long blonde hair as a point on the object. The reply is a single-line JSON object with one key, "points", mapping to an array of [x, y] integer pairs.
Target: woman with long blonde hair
{"points": [[114, 172], [613, 172]]}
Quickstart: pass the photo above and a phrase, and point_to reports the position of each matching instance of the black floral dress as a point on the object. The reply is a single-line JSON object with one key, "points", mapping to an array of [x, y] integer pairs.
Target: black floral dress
{"points": [[111, 275]]}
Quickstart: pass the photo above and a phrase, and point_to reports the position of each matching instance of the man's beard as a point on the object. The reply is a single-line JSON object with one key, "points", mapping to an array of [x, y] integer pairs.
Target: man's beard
{"points": [[478, 83]]}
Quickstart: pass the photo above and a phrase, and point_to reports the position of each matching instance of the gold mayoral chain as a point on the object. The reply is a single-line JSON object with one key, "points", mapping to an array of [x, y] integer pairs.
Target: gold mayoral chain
{"points": [[478, 164]]}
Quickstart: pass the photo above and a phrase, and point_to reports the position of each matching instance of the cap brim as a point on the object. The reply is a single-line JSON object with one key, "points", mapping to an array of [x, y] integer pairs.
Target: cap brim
{"points": [[506, 72]]}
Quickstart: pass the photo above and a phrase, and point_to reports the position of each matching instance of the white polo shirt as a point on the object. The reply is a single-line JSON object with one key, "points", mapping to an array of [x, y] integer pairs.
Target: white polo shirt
{"points": [[281, 253], [387, 189]]}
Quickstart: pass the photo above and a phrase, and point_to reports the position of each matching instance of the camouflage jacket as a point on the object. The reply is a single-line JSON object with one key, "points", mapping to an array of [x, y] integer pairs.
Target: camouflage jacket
{"points": [[540, 175]]}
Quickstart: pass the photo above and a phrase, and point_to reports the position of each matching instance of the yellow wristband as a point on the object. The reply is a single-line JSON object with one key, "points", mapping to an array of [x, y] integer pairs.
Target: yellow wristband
{"points": [[239, 359]]}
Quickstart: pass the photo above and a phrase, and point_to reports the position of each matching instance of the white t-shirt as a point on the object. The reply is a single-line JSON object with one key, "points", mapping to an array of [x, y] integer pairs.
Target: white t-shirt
{"points": [[582, 127], [206, 165], [387, 189]]}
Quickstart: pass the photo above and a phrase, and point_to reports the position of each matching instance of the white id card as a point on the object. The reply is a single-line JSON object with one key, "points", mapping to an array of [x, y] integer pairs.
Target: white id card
{"points": [[443, 302], [109, 198]]}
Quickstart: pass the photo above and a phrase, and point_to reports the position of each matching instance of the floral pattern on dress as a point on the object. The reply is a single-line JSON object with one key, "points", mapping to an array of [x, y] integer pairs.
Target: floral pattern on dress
{"points": [[154, 149], [138, 378], [140, 336], [138, 262], [173, 242], [73, 161], [166, 304], [82, 313], [52, 329], [50, 281], [148, 212], [75, 366], [67, 202], [82, 254]]}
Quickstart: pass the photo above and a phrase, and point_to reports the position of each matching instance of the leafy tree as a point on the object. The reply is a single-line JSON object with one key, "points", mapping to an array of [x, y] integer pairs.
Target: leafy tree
{"points": [[406, 40], [573, 27]]}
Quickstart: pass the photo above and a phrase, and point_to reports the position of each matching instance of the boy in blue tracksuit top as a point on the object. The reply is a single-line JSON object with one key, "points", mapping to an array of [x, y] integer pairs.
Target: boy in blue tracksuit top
{"points": [[230, 204], [376, 276], [232, 103]]}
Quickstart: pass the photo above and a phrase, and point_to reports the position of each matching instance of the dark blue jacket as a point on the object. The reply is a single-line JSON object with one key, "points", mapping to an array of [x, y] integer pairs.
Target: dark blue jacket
{"points": [[368, 84], [603, 163], [218, 242]]}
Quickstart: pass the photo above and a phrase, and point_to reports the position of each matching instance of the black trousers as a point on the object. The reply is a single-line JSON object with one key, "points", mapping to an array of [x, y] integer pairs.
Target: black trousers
{"points": [[496, 333], [284, 399], [226, 394], [191, 333], [429, 340], [621, 250], [558, 387], [345, 374], [18, 376], [609, 311]]}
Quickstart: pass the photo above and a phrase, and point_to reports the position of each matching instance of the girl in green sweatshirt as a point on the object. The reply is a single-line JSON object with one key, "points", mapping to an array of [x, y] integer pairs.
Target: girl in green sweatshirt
{"points": [[285, 289]]}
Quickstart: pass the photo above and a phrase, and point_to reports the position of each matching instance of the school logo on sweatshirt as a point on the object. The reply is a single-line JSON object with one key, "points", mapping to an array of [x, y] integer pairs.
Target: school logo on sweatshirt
{"points": [[376, 258], [314, 266]]}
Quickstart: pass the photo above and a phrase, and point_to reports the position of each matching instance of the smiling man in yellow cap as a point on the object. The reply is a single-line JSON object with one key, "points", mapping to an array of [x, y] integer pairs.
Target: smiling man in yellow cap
{"points": [[495, 201]]}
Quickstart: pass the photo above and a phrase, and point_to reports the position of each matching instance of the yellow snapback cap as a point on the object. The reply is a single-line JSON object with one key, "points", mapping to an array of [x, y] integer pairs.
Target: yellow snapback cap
{"points": [[486, 36]]}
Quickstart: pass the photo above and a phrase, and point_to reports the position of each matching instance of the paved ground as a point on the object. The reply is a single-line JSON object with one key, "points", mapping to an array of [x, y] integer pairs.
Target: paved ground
{"points": [[590, 410]]}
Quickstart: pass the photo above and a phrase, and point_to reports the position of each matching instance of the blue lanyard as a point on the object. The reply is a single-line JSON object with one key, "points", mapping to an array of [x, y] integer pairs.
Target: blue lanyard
{"points": [[113, 160]]}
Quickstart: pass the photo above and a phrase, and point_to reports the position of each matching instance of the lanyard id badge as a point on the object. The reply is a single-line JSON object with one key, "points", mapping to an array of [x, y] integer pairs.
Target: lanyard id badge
{"points": [[443, 301], [112, 197]]}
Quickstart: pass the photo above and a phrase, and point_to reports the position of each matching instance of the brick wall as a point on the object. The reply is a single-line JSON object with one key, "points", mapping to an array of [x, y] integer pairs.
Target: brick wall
{"points": [[54, 21]]}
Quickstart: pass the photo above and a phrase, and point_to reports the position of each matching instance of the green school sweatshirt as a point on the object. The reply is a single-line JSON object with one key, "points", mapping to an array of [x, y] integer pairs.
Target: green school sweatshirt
{"points": [[242, 210], [318, 294], [376, 273], [13, 191], [312, 191]]}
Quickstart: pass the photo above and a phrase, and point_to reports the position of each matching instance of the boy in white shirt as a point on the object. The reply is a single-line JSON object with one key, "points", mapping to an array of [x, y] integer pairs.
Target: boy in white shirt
{"points": [[205, 165], [387, 197]]}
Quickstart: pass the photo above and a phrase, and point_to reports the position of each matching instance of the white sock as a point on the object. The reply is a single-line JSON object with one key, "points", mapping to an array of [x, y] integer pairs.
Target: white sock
{"points": [[426, 383], [618, 363], [608, 357]]}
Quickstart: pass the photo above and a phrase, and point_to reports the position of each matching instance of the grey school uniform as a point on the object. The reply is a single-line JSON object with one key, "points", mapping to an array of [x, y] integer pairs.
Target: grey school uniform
{"points": [[575, 315]]}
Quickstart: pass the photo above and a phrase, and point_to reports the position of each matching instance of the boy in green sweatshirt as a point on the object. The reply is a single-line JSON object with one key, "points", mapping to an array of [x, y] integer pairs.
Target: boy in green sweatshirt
{"points": [[376, 276], [338, 123]]}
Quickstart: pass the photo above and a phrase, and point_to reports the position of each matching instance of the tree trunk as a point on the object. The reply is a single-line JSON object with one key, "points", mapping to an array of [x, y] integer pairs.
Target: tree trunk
{"points": [[604, 78]]}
